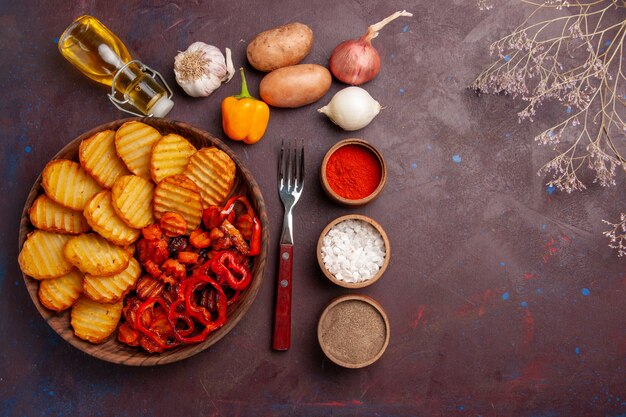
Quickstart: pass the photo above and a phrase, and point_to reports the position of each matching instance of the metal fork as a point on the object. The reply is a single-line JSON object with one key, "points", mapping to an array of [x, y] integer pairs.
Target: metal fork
{"points": [[290, 184]]}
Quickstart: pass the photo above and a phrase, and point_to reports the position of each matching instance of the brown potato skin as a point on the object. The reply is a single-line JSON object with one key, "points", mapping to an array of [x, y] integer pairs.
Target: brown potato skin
{"points": [[295, 86], [280, 47]]}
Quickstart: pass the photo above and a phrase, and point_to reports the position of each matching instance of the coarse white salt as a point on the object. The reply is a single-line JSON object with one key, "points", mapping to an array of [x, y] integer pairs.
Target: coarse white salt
{"points": [[353, 251]]}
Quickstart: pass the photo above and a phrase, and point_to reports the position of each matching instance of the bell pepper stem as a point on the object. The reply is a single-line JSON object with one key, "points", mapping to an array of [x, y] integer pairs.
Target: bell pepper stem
{"points": [[244, 86]]}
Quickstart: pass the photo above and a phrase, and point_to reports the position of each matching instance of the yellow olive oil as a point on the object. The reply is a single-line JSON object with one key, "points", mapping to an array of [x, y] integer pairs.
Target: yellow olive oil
{"points": [[100, 55]]}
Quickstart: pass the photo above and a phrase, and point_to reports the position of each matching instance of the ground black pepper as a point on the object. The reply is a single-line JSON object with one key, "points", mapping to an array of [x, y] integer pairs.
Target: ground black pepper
{"points": [[353, 331]]}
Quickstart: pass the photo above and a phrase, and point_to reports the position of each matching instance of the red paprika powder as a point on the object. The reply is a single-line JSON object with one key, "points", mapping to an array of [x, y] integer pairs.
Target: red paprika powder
{"points": [[353, 172]]}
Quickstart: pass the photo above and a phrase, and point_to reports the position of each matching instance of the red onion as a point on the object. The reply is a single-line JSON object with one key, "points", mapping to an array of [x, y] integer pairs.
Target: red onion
{"points": [[356, 61]]}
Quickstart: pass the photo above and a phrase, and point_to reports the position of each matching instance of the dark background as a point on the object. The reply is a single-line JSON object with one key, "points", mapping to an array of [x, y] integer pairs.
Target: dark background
{"points": [[503, 297]]}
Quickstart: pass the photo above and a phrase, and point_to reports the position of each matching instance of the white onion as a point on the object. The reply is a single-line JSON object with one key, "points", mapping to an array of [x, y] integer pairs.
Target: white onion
{"points": [[351, 108]]}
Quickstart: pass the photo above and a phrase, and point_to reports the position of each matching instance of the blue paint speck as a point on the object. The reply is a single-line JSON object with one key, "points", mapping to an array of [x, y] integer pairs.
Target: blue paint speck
{"points": [[539, 290], [569, 109], [585, 291], [17, 283], [461, 407], [456, 158], [51, 393], [405, 28], [507, 135], [577, 351], [544, 226], [27, 149], [507, 58], [502, 263], [56, 40], [551, 133], [608, 43], [505, 296], [413, 165], [524, 304], [401, 90], [392, 56], [429, 147], [550, 189]]}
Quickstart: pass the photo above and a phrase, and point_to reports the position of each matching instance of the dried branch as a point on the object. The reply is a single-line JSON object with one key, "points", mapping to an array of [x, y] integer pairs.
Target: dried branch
{"points": [[575, 59]]}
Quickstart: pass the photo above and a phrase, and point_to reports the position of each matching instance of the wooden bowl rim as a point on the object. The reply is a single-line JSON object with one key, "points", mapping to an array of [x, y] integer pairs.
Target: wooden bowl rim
{"points": [[354, 297], [112, 350], [382, 269], [346, 201]]}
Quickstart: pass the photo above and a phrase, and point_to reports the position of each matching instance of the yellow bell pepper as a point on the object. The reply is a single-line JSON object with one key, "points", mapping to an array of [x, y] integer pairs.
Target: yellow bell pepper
{"points": [[244, 118]]}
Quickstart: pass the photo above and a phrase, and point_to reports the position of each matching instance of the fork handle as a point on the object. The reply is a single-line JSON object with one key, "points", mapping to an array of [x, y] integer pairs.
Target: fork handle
{"points": [[282, 318]]}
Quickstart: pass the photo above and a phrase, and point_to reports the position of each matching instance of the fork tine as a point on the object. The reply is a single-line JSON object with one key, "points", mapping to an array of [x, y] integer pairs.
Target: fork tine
{"points": [[290, 178], [281, 160], [294, 171], [301, 177]]}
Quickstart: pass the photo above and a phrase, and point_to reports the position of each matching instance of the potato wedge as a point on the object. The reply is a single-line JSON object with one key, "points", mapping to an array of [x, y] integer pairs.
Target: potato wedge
{"points": [[213, 171], [170, 156], [98, 157], [42, 257], [179, 194], [113, 288], [67, 183], [132, 200], [93, 254], [46, 214], [61, 293], [133, 143], [104, 220], [93, 321]]}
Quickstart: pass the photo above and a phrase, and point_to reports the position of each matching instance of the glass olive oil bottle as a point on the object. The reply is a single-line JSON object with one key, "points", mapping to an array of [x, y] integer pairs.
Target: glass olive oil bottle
{"points": [[100, 55]]}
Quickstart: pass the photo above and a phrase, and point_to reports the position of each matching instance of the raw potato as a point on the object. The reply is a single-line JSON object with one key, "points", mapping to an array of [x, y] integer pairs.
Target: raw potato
{"points": [[280, 47], [295, 86]]}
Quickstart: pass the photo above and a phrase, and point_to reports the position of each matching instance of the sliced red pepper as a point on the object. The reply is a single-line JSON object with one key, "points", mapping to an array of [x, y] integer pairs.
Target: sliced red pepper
{"points": [[255, 241], [174, 315], [227, 269], [198, 312], [211, 217], [228, 211], [154, 337]]}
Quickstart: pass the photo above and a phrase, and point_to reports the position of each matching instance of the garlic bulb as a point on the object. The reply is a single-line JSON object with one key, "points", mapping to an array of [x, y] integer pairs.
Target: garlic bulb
{"points": [[351, 108], [201, 69]]}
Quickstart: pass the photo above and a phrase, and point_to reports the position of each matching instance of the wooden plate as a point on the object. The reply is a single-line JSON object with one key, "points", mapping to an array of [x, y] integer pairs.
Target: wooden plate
{"points": [[112, 350]]}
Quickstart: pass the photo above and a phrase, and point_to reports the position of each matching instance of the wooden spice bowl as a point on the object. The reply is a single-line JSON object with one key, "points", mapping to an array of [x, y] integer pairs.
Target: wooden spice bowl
{"points": [[381, 271], [353, 331], [346, 201]]}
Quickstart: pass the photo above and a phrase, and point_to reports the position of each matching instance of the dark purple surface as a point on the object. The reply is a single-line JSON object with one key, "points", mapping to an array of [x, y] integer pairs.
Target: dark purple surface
{"points": [[503, 297]]}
